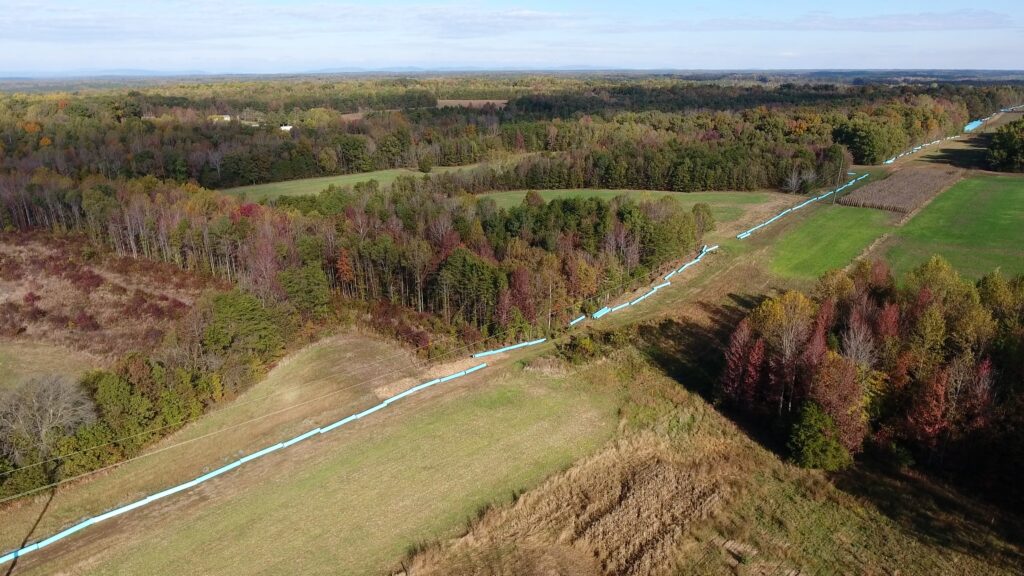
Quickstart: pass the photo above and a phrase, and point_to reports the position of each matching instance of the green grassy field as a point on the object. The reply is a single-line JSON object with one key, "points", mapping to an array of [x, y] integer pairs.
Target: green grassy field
{"points": [[307, 186], [351, 502], [20, 360], [726, 206], [978, 225], [828, 237]]}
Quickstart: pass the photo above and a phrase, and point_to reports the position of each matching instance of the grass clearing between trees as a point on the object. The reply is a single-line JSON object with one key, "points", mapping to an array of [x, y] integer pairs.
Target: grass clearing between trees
{"points": [[308, 186], [977, 225]]}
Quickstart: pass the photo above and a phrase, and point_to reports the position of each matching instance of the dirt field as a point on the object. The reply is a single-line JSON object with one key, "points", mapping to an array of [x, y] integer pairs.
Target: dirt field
{"points": [[905, 190]]}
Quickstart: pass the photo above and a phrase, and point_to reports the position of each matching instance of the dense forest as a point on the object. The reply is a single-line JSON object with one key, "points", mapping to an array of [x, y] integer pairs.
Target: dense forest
{"points": [[924, 371], [643, 134]]}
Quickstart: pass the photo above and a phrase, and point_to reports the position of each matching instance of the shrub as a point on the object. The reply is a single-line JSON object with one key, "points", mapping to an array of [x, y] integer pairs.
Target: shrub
{"points": [[813, 441], [240, 323], [578, 349]]}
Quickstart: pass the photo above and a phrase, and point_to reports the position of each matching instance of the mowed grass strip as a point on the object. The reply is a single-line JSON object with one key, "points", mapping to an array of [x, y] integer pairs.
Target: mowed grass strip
{"points": [[21, 360], [726, 206], [361, 499], [828, 237], [977, 225]]}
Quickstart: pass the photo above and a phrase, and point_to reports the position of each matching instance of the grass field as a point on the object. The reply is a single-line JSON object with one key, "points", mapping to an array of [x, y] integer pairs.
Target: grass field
{"points": [[978, 225], [828, 237], [21, 360], [352, 502], [726, 206], [306, 186]]}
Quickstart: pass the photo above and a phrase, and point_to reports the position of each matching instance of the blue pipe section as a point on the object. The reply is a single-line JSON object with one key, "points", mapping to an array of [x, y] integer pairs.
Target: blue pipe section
{"points": [[602, 312], [227, 467], [746, 234], [507, 348], [578, 320]]}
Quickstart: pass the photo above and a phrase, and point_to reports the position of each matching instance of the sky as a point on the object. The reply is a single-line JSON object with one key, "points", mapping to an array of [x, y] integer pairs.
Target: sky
{"points": [[278, 36]]}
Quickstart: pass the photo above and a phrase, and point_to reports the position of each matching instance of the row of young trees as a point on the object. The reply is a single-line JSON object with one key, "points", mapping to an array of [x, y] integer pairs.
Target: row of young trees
{"points": [[927, 370]]}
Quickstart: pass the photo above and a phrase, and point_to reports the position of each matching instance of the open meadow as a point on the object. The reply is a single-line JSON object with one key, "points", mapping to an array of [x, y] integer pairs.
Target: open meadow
{"points": [[311, 186], [977, 225]]}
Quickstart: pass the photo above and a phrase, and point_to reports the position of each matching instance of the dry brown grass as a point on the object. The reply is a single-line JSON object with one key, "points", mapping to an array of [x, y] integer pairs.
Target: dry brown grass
{"points": [[625, 510], [683, 491], [56, 290], [904, 190]]}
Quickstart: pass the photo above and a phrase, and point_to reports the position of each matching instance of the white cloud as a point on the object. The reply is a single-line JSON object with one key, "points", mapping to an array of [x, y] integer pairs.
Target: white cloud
{"points": [[966, 19]]}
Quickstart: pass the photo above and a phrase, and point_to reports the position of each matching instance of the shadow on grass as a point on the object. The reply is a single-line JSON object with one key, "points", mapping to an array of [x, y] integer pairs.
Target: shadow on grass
{"points": [[973, 156], [693, 354], [32, 530], [936, 514]]}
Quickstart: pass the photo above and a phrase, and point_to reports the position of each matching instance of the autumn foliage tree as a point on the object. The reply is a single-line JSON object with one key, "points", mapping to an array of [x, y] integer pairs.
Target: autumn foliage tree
{"points": [[928, 366]]}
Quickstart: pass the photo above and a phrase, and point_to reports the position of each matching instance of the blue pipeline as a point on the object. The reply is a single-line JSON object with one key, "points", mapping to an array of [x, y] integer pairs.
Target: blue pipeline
{"points": [[227, 467], [507, 348], [602, 312], [642, 298], [578, 320], [972, 126], [746, 234]]}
